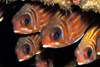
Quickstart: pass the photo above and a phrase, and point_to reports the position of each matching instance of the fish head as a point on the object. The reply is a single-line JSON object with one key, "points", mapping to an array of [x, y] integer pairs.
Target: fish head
{"points": [[53, 34], [44, 59], [24, 49], [85, 53], [23, 21]]}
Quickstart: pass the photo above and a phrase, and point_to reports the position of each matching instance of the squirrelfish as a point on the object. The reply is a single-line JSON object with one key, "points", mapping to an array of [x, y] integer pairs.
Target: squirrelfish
{"points": [[66, 29], [28, 46], [88, 48], [32, 17], [44, 59]]}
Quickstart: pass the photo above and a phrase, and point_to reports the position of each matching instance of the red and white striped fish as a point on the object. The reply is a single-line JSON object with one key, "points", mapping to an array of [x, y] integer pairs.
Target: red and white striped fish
{"points": [[66, 29], [32, 17], [88, 48], [28, 46]]}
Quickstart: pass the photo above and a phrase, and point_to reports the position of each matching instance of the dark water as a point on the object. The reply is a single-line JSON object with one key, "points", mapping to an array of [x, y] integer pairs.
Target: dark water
{"points": [[8, 41]]}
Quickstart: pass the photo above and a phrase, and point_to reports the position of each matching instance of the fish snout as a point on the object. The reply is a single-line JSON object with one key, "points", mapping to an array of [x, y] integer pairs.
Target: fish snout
{"points": [[16, 28], [16, 51], [45, 43], [76, 52], [81, 60], [20, 60], [14, 19], [20, 56]]}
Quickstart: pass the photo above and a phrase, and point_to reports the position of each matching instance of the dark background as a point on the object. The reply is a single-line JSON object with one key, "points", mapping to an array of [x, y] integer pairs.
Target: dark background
{"points": [[8, 41]]}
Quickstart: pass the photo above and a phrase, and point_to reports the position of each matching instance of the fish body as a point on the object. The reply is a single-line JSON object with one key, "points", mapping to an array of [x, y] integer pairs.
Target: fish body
{"points": [[66, 29], [28, 46], [32, 17], [44, 59], [86, 52]]}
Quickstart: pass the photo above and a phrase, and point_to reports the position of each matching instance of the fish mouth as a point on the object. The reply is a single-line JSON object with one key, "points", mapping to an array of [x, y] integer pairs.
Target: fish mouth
{"points": [[23, 31], [45, 46], [49, 46], [18, 31], [1, 19], [81, 63], [98, 53], [20, 60]]}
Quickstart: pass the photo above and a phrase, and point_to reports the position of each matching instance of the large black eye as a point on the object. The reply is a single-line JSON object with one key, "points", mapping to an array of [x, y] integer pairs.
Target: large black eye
{"points": [[87, 52], [26, 49], [55, 34], [26, 21]]}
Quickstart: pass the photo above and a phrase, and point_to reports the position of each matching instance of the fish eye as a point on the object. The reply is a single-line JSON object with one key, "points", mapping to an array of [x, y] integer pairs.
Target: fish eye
{"points": [[55, 34], [26, 49], [87, 52], [25, 22]]}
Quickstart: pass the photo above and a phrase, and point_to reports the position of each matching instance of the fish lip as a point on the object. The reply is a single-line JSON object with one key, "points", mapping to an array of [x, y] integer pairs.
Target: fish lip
{"points": [[45, 46], [1, 19], [98, 53], [81, 63], [16, 31], [20, 60], [48, 46]]}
